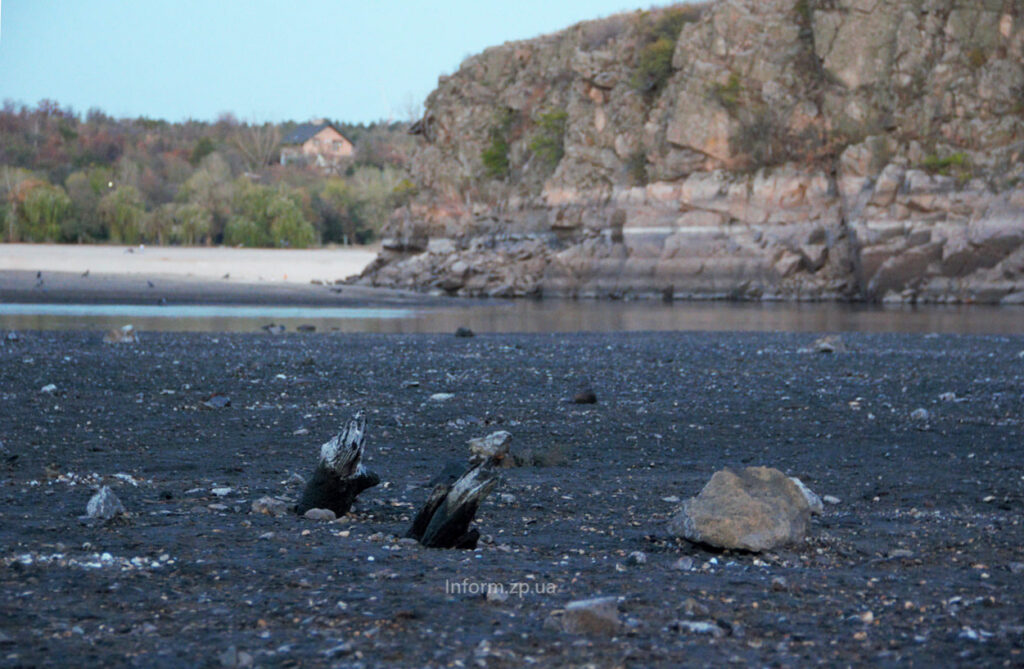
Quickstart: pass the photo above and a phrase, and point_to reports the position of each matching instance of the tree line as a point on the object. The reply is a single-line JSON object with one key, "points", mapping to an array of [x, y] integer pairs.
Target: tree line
{"points": [[73, 178]]}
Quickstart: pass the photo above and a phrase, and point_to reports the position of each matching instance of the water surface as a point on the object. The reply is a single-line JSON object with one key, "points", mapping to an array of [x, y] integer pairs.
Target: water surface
{"points": [[525, 316]]}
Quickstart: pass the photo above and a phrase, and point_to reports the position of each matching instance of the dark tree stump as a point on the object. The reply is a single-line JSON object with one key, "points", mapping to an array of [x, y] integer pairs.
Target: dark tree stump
{"points": [[444, 520], [339, 476]]}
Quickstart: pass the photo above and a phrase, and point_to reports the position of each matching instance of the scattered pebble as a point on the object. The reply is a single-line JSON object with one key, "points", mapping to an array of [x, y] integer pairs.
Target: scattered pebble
{"points": [[493, 446], [919, 414], [699, 627], [948, 397], [463, 331], [123, 335], [636, 558], [813, 501], [586, 396], [235, 658], [320, 514], [104, 505], [496, 596], [48, 389], [830, 499], [684, 563], [597, 616], [217, 401], [441, 397], [829, 344], [222, 492]]}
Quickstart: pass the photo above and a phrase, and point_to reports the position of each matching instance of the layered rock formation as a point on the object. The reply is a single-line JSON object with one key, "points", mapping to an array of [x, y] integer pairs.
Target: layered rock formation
{"points": [[774, 149]]}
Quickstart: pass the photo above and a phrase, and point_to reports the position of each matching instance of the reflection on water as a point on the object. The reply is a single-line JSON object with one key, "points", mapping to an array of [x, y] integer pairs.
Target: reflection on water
{"points": [[525, 316]]}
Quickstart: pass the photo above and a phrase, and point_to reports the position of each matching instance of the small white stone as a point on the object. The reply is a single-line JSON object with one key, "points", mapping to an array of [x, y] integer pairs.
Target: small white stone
{"points": [[49, 388], [222, 492], [441, 397]]}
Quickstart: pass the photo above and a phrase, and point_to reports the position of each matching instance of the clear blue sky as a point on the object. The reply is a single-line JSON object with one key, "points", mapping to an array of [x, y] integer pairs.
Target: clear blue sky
{"points": [[348, 60]]}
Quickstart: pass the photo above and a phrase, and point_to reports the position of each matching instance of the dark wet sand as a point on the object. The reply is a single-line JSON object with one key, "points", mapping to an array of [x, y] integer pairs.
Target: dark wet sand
{"points": [[918, 563], [18, 286]]}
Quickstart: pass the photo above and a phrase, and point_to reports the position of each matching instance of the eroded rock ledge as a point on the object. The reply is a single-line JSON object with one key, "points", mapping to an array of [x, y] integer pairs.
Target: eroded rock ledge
{"points": [[795, 149]]}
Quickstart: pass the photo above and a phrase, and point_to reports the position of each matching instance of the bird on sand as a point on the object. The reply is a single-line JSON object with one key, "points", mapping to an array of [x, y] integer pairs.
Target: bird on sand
{"points": [[85, 273]]}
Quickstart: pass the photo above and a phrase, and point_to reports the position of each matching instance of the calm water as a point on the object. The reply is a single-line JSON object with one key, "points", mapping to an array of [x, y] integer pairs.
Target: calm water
{"points": [[525, 316]]}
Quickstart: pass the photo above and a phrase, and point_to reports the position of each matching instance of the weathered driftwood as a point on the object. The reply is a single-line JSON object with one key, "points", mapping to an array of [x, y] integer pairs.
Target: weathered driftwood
{"points": [[339, 476], [444, 520]]}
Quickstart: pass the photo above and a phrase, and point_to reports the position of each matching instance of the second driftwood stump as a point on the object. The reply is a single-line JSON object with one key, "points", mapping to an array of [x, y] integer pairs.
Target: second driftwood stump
{"points": [[444, 520], [339, 476]]}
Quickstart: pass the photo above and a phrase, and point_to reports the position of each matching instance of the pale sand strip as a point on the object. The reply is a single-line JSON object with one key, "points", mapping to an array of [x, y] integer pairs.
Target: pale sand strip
{"points": [[243, 265]]}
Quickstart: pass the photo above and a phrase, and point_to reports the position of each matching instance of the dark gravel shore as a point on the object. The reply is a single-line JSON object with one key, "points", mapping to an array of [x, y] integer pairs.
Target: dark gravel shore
{"points": [[917, 561]]}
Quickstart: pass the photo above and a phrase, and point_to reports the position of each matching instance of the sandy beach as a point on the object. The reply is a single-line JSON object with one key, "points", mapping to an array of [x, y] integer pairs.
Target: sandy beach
{"points": [[237, 264], [51, 273]]}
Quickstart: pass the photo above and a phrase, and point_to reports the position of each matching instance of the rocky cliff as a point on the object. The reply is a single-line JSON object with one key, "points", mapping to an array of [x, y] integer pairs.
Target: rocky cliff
{"points": [[745, 149]]}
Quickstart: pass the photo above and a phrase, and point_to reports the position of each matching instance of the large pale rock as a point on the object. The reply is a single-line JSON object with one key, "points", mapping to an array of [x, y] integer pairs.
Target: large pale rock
{"points": [[757, 509]]}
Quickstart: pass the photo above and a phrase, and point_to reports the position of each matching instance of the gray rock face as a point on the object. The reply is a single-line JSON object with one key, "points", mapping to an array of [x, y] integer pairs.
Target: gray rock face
{"points": [[104, 505], [793, 150], [757, 509]]}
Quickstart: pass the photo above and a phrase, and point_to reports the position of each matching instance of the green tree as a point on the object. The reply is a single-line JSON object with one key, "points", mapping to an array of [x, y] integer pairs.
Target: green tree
{"points": [[211, 188], [122, 213], [192, 223], [85, 188], [336, 209], [243, 231], [43, 212], [160, 223], [288, 227], [203, 147]]}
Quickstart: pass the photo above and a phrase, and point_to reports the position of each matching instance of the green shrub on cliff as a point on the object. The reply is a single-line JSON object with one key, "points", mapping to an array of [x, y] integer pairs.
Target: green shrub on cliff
{"points": [[956, 164], [495, 154], [548, 143], [728, 94], [658, 38]]}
